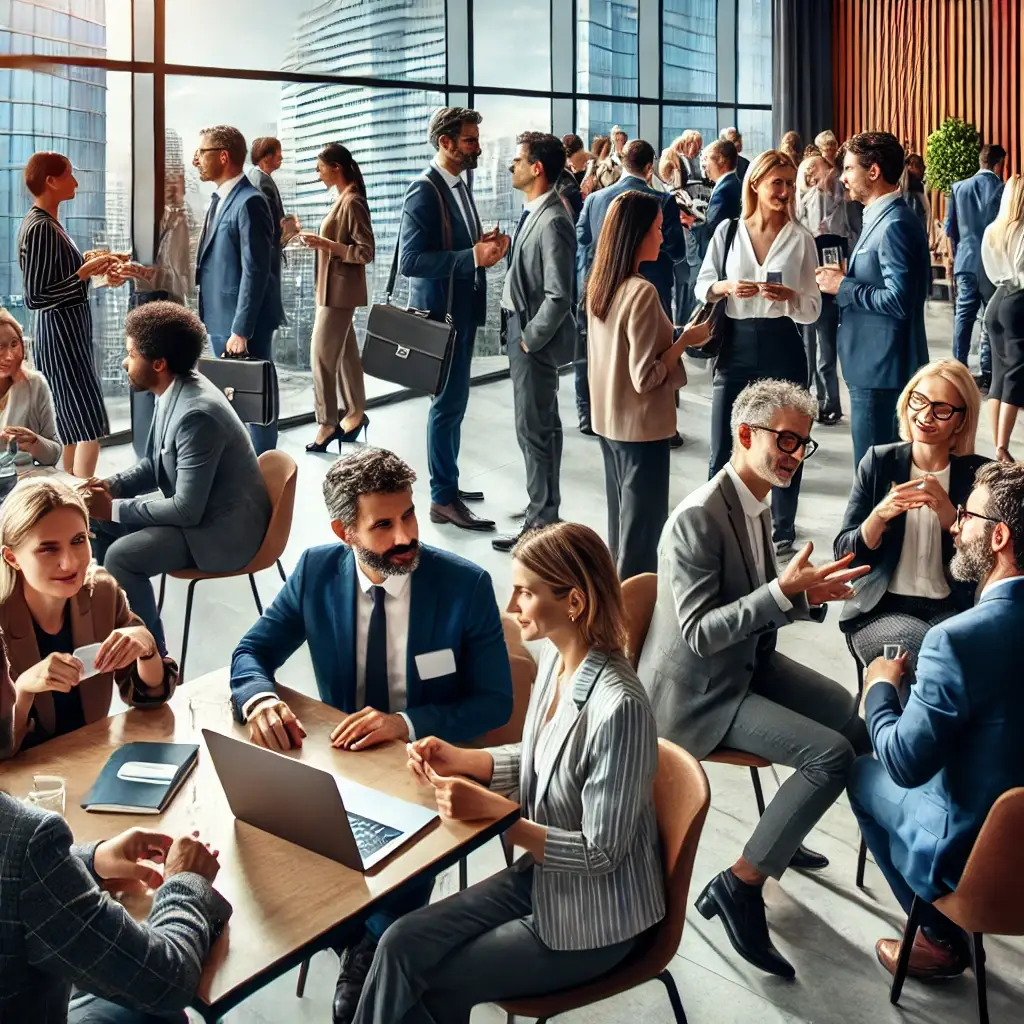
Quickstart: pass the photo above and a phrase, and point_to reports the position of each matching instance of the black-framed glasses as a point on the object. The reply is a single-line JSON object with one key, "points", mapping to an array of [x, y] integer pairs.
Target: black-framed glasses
{"points": [[789, 442], [210, 149], [940, 410], [962, 514]]}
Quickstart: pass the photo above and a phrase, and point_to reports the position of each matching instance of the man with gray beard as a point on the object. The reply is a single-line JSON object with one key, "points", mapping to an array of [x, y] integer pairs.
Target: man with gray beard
{"points": [[943, 760]]}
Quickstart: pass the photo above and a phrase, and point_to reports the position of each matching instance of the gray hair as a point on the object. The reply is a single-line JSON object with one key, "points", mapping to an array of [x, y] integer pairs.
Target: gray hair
{"points": [[730, 134], [822, 138], [368, 471], [757, 403], [449, 121]]}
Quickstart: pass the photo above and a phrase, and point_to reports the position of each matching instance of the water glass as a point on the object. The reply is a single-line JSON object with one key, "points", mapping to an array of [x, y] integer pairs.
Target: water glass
{"points": [[48, 793]]}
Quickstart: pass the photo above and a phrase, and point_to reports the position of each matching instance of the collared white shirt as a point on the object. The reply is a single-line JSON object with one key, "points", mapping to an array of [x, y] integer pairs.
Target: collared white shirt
{"points": [[452, 180], [753, 511], [998, 583], [875, 210], [919, 570], [224, 189], [531, 208]]}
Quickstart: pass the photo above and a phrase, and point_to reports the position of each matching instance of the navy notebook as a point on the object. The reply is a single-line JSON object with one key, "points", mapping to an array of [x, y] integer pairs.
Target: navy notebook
{"points": [[141, 778]]}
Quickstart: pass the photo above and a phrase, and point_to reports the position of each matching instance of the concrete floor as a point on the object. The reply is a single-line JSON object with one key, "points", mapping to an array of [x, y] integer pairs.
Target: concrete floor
{"points": [[823, 924]]}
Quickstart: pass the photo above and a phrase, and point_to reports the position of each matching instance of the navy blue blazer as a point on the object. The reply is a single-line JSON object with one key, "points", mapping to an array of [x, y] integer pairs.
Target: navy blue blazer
{"points": [[233, 267], [956, 747], [452, 607], [673, 242], [881, 336], [724, 204], [881, 467], [427, 261], [973, 205]]}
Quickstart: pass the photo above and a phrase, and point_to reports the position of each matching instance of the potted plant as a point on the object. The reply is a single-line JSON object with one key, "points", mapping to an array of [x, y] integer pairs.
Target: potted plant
{"points": [[951, 154]]}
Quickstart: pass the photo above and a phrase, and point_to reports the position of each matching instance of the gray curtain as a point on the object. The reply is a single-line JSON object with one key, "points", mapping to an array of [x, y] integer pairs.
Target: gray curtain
{"points": [[801, 68]]}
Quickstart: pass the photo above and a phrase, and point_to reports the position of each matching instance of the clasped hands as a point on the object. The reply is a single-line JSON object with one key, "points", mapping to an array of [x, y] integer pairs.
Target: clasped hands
{"points": [[924, 492], [830, 582], [125, 861], [773, 291], [445, 767]]}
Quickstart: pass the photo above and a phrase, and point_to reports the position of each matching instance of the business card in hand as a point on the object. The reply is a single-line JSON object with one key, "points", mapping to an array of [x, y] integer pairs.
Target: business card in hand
{"points": [[87, 656]]}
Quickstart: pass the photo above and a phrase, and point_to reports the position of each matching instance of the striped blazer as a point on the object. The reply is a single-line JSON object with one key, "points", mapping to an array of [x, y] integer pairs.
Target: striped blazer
{"points": [[601, 881]]}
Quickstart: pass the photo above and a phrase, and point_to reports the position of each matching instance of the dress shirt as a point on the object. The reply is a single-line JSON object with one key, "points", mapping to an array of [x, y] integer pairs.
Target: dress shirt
{"points": [[758, 525], [159, 409], [528, 209], [224, 189], [451, 180], [1004, 264], [997, 583], [919, 569], [792, 253], [875, 210]]}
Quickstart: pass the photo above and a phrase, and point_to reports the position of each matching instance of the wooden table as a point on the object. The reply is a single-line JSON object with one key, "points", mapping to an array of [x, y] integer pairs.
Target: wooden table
{"points": [[288, 902]]}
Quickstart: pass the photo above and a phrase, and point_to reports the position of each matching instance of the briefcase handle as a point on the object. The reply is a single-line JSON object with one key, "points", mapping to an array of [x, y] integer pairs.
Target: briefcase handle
{"points": [[446, 238]]}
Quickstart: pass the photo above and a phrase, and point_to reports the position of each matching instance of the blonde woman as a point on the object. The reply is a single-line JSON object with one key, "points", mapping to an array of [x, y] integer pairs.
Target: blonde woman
{"points": [[1002, 253], [901, 509], [52, 602], [793, 146], [27, 415]]}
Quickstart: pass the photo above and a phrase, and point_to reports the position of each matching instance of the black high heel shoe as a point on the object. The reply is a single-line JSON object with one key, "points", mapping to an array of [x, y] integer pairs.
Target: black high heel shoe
{"points": [[351, 435], [320, 447]]}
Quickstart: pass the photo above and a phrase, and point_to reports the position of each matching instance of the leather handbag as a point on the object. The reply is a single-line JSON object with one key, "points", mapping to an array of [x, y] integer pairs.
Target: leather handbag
{"points": [[712, 314], [404, 346], [248, 384]]}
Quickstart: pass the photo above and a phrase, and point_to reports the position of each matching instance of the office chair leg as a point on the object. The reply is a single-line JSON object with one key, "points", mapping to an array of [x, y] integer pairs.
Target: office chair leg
{"points": [[758, 795], [909, 934], [280, 569], [160, 596], [300, 985], [978, 959], [862, 856], [188, 623], [255, 593], [463, 874], [673, 996]]}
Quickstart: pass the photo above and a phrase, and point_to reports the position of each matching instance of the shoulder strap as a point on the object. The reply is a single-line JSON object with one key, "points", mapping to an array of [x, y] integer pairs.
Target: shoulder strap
{"points": [[729, 236]]}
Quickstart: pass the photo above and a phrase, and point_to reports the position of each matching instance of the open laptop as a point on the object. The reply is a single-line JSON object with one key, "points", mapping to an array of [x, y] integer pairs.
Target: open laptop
{"points": [[348, 823]]}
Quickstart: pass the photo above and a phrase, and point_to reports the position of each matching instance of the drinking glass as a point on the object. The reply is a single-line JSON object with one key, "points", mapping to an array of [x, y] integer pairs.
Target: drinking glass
{"points": [[48, 793], [831, 256]]}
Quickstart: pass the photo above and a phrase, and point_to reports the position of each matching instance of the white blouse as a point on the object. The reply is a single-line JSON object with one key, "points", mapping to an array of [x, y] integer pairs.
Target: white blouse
{"points": [[1005, 264], [792, 253], [919, 572]]}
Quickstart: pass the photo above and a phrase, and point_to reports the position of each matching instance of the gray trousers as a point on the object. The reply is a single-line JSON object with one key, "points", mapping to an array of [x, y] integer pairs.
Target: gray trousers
{"points": [[477, 946], [538, 430], [796, 717]]}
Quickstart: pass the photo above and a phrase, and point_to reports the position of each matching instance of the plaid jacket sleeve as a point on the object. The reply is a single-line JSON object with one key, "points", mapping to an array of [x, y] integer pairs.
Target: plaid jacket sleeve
{"points": [[77, 932]]}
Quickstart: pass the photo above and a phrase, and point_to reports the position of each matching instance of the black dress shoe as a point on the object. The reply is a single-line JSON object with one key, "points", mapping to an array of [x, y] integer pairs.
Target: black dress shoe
{"points": [[808, 860], [741, 909], [355, 965], [471, 495], [458, 515], [586, 428], [677, 441]]}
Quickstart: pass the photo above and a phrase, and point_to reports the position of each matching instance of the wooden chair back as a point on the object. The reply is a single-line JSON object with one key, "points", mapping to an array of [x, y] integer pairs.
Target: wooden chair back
{"points": [[639, 594], [524, 672], [279, 473]]}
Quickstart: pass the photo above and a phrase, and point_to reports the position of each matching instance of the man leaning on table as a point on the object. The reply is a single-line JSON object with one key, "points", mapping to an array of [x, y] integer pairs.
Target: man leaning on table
{"points": [[59, 930], [405, 639]]}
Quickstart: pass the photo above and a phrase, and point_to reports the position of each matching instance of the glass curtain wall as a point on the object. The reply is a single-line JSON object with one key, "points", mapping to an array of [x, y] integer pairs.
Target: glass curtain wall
{"points": [[74, 77]]}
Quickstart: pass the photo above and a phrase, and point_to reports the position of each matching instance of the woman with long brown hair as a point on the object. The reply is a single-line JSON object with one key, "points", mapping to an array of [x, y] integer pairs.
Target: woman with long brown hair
{"points": [[634, 369], [591, 882], [600, 147], [344, 245]]}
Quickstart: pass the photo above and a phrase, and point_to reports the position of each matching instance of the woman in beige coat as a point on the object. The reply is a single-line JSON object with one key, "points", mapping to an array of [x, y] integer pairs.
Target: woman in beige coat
{"points": [[344, 245]]}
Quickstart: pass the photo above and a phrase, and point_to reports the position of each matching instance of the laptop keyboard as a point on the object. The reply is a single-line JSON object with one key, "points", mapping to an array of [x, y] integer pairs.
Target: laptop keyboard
{"points": [[370, 835]]}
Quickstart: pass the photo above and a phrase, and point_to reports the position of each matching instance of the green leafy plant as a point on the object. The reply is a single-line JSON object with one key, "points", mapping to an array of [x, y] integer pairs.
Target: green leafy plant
{"points": [[951, 154]]}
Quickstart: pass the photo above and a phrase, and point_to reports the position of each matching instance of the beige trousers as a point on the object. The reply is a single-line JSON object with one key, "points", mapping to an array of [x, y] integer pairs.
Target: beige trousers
{"points": [[337, 371]]}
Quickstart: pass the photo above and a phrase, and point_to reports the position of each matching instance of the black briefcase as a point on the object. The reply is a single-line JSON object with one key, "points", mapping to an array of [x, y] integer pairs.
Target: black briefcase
{"points": [[248, 384]]}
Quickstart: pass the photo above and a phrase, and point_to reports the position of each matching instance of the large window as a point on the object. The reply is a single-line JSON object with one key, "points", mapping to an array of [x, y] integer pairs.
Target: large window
{"points": [[689, 57]]}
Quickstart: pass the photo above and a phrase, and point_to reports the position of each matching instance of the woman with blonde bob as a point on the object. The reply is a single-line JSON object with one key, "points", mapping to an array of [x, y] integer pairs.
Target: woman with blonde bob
{"points": [[591, 881], [53, 602], [901, 509]]}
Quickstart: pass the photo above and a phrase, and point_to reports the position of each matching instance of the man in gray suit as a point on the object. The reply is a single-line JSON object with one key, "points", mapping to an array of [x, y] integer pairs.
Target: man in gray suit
{"points": [[213, 510], [536, 306], [710, 665]]}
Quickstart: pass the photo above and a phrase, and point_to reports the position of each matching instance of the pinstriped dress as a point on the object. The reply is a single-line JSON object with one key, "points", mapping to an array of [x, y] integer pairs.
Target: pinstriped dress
{"points": [[62, 350]]}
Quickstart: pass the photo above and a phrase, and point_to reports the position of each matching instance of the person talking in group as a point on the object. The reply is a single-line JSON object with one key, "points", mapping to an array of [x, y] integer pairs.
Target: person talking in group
{"points": [[762, 265]]}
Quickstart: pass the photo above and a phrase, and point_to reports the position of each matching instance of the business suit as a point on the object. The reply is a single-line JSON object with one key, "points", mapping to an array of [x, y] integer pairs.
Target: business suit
{"points": [[949, 755], [538, 927], [539, 288], [59, 929], [742, 166], [881, 338], [234, 274], [973, 205], [724, 204], [715, 679], [95, 612], [340, 289], [266, 185], [213, 509]]}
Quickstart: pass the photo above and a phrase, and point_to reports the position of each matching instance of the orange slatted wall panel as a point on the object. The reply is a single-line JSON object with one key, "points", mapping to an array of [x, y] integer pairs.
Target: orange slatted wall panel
{"points": [[905, 65]]}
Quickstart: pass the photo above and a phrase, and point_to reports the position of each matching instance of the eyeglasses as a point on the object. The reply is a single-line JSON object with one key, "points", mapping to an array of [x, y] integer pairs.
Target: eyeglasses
{"points": [[211, 149], [962, 514], [940, 410], [788, 442]]}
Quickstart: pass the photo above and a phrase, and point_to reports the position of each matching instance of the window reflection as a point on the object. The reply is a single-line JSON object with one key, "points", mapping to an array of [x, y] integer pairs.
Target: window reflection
{"points": [[754, 51], [689, 44]]}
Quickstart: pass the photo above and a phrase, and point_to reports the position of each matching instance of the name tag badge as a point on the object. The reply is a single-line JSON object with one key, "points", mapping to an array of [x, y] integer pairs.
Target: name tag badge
{"points": [[436, 663]]}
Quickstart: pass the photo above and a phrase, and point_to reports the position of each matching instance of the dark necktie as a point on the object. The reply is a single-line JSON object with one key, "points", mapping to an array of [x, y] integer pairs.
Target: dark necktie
{"points": [[376, 677], [208, 223], [519, 226], [467, 210]]}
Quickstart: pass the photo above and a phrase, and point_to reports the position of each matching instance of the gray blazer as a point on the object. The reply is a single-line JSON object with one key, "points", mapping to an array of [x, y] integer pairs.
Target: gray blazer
{"points": [[712, 618], [203, 463], [58, 928], [30, 405], [602, 880], [541, 269]]}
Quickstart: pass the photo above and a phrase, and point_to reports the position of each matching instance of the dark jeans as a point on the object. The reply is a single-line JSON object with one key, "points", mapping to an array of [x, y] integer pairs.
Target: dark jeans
{"points": [[872, 418], [409, 898], [260, 346], [682, 297], [968, 302], [636, 490], [755, 349], [580, 371], [820, 346], [444, 421], [877, 803]]}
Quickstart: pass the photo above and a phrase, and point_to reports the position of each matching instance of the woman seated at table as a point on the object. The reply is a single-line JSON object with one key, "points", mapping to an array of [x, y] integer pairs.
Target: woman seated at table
{"points": [[901, 509], [591, 881], [52, 602], [26, 405]]}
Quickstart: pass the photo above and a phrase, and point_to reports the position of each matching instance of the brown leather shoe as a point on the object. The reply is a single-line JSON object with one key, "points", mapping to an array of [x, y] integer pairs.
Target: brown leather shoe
{"points": [[459, 515], [928, 960]]}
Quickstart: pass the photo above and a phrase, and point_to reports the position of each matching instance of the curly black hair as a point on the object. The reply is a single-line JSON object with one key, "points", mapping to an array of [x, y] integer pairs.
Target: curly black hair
{"points": [[165, 330]]}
